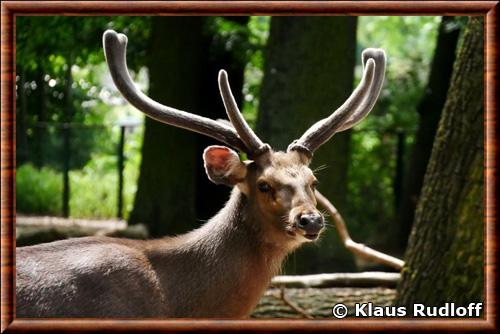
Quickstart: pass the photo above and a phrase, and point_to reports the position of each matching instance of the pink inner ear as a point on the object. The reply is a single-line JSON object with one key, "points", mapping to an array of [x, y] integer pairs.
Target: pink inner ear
{"points": [[218, 157]]}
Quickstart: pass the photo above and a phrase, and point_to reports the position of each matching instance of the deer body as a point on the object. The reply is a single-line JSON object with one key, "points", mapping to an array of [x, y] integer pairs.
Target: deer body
{"points": [[220, 269]]}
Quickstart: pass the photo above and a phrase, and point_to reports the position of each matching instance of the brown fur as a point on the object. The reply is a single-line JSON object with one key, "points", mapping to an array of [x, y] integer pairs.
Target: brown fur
{"points": [[218, 270]]}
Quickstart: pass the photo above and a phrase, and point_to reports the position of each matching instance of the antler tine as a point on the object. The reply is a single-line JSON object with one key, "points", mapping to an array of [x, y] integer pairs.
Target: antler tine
{"points": [[324, 129], [253, 143], [115, 46], [380, 62]]}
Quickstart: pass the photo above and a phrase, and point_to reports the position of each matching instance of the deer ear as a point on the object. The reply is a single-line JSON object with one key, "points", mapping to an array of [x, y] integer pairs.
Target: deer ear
{"points": [[223, 166]]}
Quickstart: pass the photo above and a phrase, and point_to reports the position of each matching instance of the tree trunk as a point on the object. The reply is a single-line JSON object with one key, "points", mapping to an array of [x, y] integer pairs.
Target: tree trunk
{"points": [[309, 71], [166, 187], [444, 259], [429, 111], [174, 194]]}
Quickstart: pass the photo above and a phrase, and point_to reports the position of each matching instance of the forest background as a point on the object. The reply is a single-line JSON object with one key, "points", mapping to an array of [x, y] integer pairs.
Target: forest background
{"points": [[76, 135]]}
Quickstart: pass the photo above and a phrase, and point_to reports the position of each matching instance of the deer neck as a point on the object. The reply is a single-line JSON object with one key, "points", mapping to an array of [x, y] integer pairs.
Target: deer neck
{"points": [[229, 261], [245, 258], [237, 232]]}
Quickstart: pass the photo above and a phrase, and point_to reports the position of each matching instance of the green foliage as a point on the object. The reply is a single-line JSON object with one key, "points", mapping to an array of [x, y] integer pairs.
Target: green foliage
{"points": [[50, 43], [38, 190], [229, 36], [52, 53], [59, 79], [258, 27], [245, 43], [48, 46], [409, 43], [370, 182], [93, 188]]}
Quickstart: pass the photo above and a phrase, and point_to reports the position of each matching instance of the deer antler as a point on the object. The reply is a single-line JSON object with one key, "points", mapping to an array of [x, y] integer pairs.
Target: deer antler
{"points": [[254, 144], [357, 116], [354, 109], [115, 46]]}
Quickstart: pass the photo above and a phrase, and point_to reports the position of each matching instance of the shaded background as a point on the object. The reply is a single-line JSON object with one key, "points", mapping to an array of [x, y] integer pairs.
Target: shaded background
{"points": [[83, 153]]}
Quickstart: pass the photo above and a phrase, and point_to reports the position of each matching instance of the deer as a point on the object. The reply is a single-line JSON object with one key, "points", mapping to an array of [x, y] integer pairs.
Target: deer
{"points": [[221, 269]]}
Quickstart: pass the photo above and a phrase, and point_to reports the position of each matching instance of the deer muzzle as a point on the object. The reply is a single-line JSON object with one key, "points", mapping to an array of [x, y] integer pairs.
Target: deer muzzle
{"points": [[311, 223]]}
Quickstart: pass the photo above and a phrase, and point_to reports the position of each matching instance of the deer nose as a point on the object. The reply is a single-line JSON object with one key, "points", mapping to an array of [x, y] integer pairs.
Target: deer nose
{"points": [[311, 223]]}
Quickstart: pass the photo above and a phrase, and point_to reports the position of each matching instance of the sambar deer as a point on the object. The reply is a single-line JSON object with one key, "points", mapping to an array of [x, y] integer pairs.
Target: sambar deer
{"points": [[220, 269]]}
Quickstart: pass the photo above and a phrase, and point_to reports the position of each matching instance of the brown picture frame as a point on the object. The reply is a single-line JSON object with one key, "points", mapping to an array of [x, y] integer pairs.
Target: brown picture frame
{"points": [[9, 11]]}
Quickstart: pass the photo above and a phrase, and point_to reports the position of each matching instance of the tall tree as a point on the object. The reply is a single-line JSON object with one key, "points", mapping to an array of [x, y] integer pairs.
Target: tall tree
{"points": [[166, 185], [308, 72], [172, 188], [429, 110], [444, 259]]}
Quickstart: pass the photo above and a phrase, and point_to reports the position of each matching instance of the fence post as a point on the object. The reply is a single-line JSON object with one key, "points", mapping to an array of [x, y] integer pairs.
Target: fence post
{"points": [[66, 166], [121, 159]]}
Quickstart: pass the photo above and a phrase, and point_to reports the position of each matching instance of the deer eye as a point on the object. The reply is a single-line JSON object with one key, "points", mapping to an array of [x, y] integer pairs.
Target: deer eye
{"points": [[264, 187]]}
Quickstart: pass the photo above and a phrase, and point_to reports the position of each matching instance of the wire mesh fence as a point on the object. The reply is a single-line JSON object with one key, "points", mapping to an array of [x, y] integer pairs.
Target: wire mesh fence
{"points": [[76, 162]]}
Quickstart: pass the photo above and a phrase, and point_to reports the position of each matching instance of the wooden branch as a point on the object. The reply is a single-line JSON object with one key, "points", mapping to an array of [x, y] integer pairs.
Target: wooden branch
{"points": [[356, 248], [365, 279], [292, 305]]}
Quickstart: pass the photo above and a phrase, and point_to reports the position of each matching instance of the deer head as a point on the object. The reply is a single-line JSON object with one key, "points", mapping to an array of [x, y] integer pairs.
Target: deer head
{"points": [[279, 186]]}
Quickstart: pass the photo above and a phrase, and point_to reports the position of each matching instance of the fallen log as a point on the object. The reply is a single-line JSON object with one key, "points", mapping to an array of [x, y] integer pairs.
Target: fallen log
{"points": [[365, 279], [318, 302]]}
